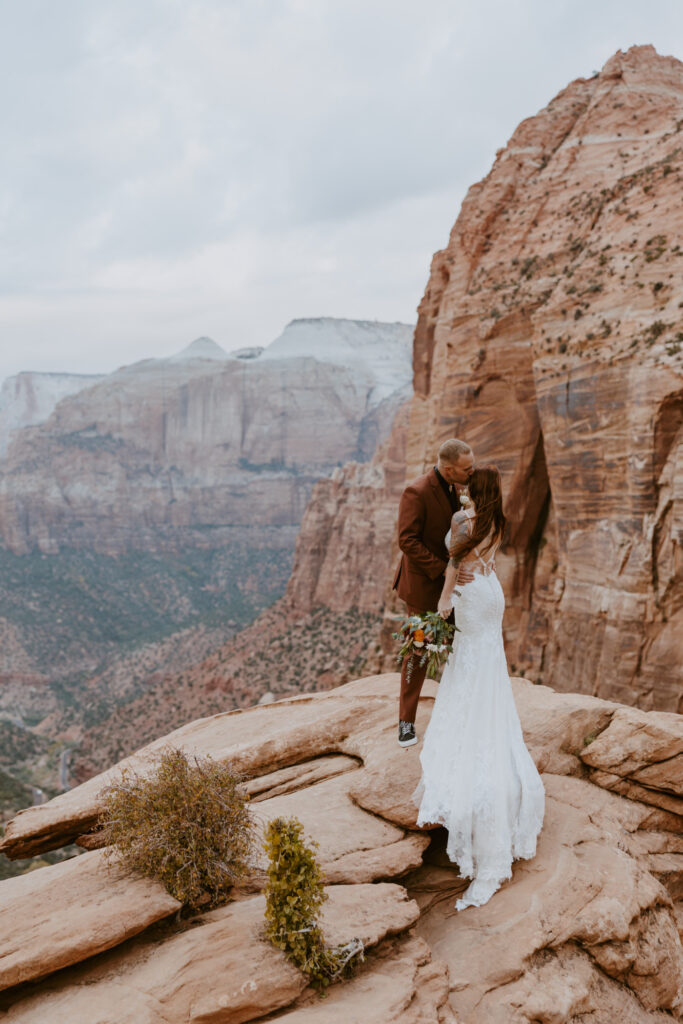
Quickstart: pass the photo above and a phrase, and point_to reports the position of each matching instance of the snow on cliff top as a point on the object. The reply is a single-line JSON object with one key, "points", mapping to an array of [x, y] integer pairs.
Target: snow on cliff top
{"points": [[28, 398], [383, 350], [374, 352], [200, 348], [379, 352]]}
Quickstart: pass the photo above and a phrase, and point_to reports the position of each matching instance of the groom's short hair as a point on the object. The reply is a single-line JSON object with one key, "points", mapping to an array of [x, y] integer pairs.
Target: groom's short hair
{"points": [[451, 450]]}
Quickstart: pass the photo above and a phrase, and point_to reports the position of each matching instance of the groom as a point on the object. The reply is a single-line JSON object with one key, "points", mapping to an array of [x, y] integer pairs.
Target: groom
{"points": [[424, 518]]}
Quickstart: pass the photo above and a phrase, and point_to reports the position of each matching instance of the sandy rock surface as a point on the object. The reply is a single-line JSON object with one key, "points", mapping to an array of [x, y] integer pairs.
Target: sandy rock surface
{"points": [[221, 969], [589, 926], [257, 741], [581, 890], [402, 984], [62, 914]]}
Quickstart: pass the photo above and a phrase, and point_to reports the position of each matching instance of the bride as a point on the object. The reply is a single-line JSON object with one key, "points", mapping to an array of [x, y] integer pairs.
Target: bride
{"points": [[478, 778]]}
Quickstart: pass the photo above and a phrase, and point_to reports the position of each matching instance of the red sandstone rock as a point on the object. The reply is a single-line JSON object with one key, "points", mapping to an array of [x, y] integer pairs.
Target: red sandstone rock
{"points": [[588, 926], [102, 904], [549, 337], [220, 971]]}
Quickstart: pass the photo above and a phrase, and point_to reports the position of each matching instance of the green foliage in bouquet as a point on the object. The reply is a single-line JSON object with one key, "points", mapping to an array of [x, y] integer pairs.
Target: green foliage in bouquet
{"points": [[294, 897], [186, 825], [425, 639]]}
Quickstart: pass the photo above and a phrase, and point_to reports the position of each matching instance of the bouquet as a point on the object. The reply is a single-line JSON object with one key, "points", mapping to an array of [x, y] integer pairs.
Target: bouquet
{"points": [[427, 639]]}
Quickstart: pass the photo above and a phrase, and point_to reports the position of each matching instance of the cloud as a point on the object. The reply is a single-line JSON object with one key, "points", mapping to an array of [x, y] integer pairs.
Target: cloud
{"points": [[222, 166]]}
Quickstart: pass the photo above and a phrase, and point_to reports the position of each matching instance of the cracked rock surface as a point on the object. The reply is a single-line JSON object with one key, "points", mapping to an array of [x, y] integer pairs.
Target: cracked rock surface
{"points": [[588, 929]]}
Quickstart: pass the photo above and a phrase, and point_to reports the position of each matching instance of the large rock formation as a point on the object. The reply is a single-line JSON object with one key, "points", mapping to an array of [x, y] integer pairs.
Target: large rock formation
{"points": [[325, 630], [587, 929], [549, 336], [344, 547], [29, 398], [168, 452], [147, 516]]}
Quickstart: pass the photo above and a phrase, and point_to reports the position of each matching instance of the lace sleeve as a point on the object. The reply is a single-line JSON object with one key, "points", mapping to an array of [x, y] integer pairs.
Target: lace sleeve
{"points": [[461, 528]]}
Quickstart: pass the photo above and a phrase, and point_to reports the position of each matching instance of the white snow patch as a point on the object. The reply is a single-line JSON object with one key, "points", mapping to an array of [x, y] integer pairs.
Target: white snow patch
{"points": [[29, 398], [200, 348], [382, 351]]}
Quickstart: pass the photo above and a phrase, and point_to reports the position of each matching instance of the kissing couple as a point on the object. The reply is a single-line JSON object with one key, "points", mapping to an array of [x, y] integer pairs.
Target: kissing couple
{"points": [[478, 778]]}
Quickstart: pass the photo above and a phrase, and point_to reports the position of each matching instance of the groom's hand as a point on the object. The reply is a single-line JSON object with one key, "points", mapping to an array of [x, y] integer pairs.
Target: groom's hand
{"points": [[464, 576]]}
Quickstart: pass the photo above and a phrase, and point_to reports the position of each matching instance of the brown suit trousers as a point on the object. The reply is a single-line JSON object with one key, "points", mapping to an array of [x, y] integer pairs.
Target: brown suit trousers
{"points": [[424, 518]]}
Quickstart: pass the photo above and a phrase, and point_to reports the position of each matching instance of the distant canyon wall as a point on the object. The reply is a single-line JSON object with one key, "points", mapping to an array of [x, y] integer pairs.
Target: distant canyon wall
{"points": [[550, 336], [180, 451]]}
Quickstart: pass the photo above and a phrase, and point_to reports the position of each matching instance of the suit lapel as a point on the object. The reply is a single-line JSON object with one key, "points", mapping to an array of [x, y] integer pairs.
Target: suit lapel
{"points": [[439, 494]]}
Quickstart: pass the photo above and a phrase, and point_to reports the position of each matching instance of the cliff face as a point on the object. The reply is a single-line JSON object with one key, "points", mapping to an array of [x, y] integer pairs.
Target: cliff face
{"points": [[147, 516], [29, 398], [344, 547], [549, 337], [198, 444]]}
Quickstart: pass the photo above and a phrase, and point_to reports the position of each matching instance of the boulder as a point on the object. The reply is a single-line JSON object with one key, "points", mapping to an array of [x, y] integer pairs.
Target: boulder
{"points": [[219, 970], [402, 984], [65, 913], [257, 741], [581, 890], [590, 925], [644, 747]]}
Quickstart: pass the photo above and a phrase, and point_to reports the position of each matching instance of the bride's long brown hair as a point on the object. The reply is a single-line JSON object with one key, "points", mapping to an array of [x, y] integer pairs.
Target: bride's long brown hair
{"points": [[486, 493]]}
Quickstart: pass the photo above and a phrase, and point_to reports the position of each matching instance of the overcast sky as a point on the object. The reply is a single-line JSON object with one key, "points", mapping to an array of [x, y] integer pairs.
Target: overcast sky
{"points": [[173, 168]]}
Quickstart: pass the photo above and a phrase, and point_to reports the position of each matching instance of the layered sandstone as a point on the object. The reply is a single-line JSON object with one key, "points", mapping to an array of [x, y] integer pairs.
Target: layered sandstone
{"points": [[588, 928], [344, 547], [171, 452], [148, 515], [29, 398], [549, 336]]}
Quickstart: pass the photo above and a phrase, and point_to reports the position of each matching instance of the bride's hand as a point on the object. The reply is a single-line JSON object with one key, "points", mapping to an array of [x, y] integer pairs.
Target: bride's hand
{"points": [[444, 608]]}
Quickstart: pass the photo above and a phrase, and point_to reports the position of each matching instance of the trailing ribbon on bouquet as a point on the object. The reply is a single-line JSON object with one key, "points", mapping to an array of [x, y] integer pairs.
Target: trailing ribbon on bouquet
{"points": [[425, 639]]}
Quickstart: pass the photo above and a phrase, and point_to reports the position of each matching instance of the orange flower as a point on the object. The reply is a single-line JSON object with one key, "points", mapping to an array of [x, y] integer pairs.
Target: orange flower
{"points": [[419, 635]]}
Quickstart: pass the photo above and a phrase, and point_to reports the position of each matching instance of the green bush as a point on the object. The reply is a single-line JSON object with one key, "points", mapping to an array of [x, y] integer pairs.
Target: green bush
{"points": [[186, 824], [294, 898]]}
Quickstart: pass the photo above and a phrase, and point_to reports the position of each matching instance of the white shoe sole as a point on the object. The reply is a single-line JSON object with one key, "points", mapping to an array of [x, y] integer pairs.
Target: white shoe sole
{"points": [[407, 743]]}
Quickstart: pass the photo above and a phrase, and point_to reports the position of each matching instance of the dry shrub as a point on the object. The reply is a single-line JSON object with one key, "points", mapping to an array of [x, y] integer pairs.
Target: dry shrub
{"points": [[294, 898], [186, 825]]}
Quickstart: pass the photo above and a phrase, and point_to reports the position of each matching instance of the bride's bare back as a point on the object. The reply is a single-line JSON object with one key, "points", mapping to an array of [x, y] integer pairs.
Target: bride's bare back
{"points": [[480, 560]]}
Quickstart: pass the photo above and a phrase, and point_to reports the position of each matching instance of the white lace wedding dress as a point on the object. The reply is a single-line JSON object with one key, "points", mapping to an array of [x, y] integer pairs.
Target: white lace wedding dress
{"points": [[478, 778]]}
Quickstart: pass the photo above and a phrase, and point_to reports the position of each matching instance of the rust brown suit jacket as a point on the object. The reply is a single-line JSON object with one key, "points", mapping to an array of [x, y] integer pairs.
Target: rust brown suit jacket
{"points": [[424, 518]]}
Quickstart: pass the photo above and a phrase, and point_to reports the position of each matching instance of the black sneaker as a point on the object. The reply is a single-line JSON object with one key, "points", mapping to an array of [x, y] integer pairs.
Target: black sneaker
{"points": [[406, 734]]}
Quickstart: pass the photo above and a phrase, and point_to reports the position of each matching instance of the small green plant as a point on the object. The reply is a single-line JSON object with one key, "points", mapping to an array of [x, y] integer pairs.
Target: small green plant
{"points": [[674, 347], [654, 331], [186, 824], [654, 247], [587, 740], [294, 898]]}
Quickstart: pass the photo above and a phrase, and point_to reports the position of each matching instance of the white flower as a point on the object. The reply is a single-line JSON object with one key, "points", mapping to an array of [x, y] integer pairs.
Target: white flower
{"points": [[418, 643], [432, 647], [465, 500]]}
